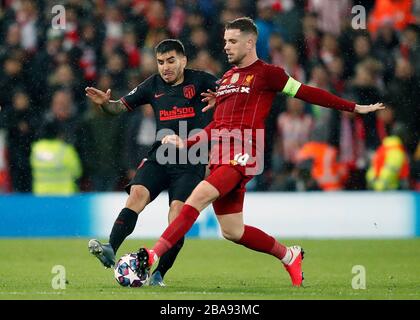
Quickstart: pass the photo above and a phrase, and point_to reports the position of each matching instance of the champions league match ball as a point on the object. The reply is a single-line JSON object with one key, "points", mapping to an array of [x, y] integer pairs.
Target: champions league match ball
{"points": [[125, 271]]}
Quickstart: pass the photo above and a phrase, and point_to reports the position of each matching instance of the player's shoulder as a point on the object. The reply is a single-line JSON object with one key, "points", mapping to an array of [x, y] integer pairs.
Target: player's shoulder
{"points": [[198, 74], [269, 66], [149, 81], [153, 78]]}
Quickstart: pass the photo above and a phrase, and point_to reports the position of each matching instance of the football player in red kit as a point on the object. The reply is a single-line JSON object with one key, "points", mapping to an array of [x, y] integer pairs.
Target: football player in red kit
{"points": [[242, 102]]}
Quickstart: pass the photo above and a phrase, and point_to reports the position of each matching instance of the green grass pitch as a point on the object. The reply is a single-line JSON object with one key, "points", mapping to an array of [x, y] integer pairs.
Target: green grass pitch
{"points": [[216, 269]]}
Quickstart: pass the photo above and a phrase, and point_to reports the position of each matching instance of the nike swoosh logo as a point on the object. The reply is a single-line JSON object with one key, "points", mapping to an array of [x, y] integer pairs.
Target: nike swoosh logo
{"points": [[158, 95]]}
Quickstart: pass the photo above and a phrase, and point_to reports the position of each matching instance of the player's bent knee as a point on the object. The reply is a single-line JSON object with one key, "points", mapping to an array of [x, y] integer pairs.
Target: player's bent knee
{"points": [[174, 210], [202, 195], [232, 234], [138, 199]]}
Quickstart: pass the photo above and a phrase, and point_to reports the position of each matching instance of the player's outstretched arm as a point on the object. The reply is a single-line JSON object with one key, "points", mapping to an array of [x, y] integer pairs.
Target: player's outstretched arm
{"points": [[324, 98], [368, 108], [103, 99]]}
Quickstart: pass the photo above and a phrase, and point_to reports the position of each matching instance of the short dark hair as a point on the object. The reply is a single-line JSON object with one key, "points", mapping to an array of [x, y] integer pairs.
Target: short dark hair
{"points": [[245, 24], [170, 45]]}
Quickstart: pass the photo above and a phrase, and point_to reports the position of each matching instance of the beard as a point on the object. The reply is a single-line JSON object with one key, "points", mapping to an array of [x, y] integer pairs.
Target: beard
{"points": [[238, 59]]}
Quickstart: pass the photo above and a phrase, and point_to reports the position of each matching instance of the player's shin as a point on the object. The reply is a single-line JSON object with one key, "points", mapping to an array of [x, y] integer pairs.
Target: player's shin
{"points": [[168, 259], [123, 226], [258, 240], [176, 230]]}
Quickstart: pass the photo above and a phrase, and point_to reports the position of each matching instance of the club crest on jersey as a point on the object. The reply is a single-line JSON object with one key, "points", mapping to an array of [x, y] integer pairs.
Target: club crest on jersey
{"points": [[248, 80], [234, 78], [189, 91]]}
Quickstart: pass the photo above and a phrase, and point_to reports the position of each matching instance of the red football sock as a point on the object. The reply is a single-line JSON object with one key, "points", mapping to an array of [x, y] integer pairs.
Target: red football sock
{"points": [[258, 240], [176, 230]]}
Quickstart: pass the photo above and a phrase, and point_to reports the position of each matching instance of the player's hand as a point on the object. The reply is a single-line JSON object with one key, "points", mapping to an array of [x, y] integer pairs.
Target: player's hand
{"points": [[98, 96], [173, 139], [368, 108], [210, 98]]}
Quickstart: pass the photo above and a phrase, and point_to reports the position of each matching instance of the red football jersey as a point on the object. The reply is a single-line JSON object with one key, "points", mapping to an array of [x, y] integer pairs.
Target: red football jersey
{"points": [[245, 95], [243, 102]]}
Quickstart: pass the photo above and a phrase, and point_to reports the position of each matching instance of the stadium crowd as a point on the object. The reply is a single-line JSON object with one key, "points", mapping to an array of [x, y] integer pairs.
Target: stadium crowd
{"points": [[109, 44]]}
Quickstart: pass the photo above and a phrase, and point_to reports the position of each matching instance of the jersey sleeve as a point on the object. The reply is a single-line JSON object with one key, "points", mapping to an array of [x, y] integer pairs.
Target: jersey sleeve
{"points": [[278, 80], [139, 96]]}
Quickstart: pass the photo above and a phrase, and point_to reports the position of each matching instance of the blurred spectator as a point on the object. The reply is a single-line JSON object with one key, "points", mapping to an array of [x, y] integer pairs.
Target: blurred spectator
{"points": [[103, 139], [55, 164], [140, 135], [329, 48], [205, 62], [20, 123], [63, 78], [322, 116], [12, 77], [266, 27], [116, 68], [364, 90], [410, 46], [360, 51], [336, 74], [398, 13], [347, 134], [131, 49], [330, 13], [90, 55], [177, 19], [294, 128], [11, 43], [113, 26], [288, 17], [63, 111], [321, 160], [403, 94], [384, 47], [291, 63], [275, 46], [27, 16], [389, 169], [312, 37], [198, 41], [71, 32], [5, 183]]}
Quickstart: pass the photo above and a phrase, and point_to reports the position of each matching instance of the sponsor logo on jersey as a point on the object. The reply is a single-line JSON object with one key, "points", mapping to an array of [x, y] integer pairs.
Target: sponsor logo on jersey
{"points": [[228, 89], [176, 113], [234, 78], [189, 91], [158, 95], [248, 80]]}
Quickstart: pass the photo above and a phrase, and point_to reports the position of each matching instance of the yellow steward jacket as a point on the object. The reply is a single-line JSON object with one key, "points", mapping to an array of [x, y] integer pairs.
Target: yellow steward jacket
{"points": [[55, 167]]}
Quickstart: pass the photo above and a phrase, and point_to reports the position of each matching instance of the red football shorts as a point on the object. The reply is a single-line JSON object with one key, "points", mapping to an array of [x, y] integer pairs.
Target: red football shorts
{"points": [[230, 183]]}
